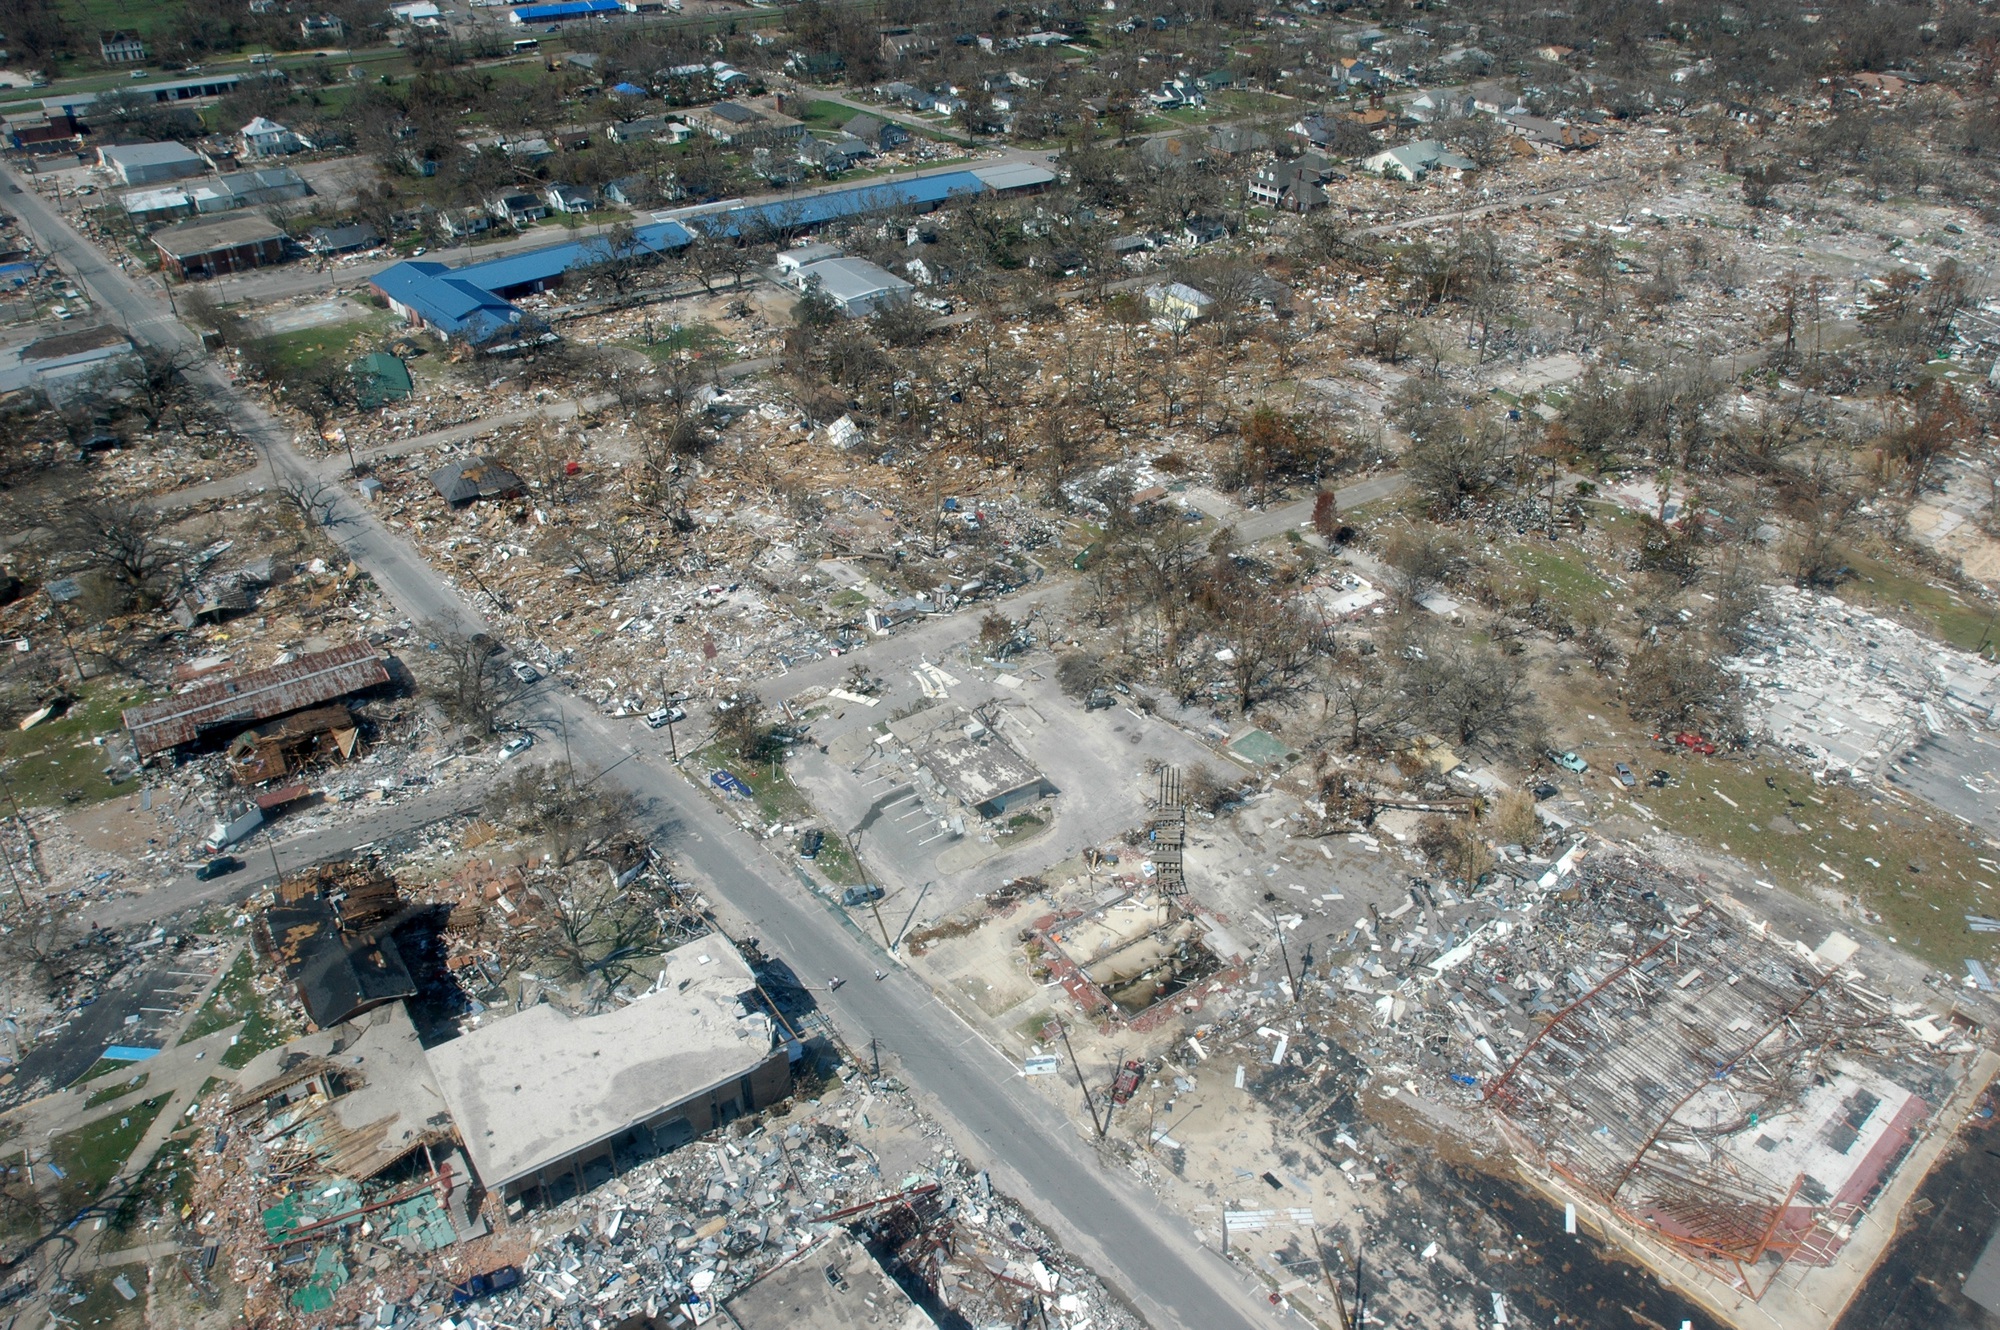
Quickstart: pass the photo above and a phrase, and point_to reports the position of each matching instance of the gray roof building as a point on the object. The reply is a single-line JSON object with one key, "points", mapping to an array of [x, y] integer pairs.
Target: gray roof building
{"points": [[539, 1092]]}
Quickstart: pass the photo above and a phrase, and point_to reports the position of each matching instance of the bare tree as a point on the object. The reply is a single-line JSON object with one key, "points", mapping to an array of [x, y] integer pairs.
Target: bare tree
{"points": [[121, 538], [1470, 692], [573, 818], [315, 501], [152, 380], [465, 676], [1674, 683]]}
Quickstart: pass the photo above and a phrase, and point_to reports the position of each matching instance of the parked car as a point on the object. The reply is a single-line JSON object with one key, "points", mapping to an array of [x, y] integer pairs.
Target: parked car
{"points": [[665, 716], [1625, 776], [1695, 743], [1545, 791], [220, 866], [1569, 761], [520, 743], [525, 672], [861, 895], [480, 1287], [1128, 1080]]}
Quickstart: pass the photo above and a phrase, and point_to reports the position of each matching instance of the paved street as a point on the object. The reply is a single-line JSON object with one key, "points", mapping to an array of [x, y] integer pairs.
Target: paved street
{"points": [[1155, 1260]]}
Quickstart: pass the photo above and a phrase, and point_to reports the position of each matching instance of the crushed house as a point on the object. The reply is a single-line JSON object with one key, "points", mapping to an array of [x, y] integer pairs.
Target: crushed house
{"points": [[267, 752], [476, 478], [353, 1113], [1416, 161], [231, 704], [540, 1094], [330, 932]]}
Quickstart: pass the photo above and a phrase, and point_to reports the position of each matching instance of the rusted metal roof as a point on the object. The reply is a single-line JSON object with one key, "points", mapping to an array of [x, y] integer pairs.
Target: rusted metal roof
{"points": [[311, 679]]}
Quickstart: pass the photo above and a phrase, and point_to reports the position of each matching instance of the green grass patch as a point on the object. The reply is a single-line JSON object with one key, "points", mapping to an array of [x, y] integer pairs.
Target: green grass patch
{"points": [[101, 1067], [233, 1000], [117, 1090], [1909, 597], [836, 865], [827, 115], [91, 1156], [1561, 575], [704, 339], [167, 1181], [56, 763], [263, 1029], [1786, 828], [777, 799], [308, 349]]}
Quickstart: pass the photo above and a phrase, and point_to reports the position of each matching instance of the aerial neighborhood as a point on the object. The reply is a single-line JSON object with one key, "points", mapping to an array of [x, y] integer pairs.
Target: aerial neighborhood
{"points": [[799, 666]]}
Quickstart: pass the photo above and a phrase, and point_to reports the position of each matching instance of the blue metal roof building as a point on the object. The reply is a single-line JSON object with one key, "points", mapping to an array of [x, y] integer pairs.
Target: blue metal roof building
{"points": [[811, 210], [471, 302], [567, 10]]}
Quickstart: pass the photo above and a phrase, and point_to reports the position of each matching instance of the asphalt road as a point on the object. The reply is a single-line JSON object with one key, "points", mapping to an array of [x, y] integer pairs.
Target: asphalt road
{"points": [[1153, 1258]]}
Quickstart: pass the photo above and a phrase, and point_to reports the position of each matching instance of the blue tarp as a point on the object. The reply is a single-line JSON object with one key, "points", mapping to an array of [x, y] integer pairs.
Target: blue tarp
{"points": [[17, 274], [628, 90]]}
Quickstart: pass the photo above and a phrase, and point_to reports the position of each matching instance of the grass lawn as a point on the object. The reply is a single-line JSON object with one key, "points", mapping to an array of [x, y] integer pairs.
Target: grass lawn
{"points": [[777, 799], [102, 1306], [1788, 828], [1562, 574], [1923, 604], [307, 349], [117, 1089], [264, 1028], [701, 338], [56, 762], [827, 115], [232, 1000], [91, 1156]]}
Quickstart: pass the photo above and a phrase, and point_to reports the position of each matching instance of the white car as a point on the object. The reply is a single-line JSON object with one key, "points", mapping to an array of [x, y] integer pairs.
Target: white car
{"points": [[520, 743], [525, 672], [665, 716]]}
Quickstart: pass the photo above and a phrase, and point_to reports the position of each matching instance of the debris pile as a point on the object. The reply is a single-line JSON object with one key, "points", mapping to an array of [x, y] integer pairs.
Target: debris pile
{"points": [[1855, 691]]}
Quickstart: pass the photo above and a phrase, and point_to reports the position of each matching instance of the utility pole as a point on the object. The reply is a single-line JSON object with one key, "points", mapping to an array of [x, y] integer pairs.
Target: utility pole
{"points": [[1088, 1102], [1332, 1285], [1288, 964], [874, 1057], [874, 903]]}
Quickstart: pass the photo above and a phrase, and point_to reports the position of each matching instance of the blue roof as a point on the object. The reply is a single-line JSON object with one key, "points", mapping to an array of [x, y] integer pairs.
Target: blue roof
{"points": [[540, 265], [817, 209], [466, 301], [445, 301], [568, 9]]}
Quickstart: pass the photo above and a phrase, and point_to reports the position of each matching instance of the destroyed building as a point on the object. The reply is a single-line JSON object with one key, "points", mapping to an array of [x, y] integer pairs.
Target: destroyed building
{"points": [[266, 752], [330, 932], [231, 704], [1740, 1099], [476, 478], [836, 1285], [539, 1095]]}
